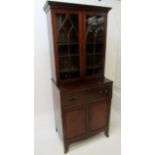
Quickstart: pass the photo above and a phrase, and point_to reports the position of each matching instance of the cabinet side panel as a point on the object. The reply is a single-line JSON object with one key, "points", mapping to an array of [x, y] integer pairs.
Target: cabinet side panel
{"points": [[51, 45], [57, 110]]}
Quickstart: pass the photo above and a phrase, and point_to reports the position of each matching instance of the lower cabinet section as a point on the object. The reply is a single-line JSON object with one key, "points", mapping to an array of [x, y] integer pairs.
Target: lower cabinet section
{"points": [[85, 119], [84, 111], [75, 122], [97, 115]]}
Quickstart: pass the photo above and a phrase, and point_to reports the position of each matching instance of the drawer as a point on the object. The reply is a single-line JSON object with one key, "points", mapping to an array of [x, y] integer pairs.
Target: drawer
{"points": [[86, 96]]}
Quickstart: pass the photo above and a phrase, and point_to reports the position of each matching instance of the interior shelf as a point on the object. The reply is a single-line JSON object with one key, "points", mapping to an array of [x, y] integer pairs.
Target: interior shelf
{"points": [[69, 70], [67, 44], [68, 55], [93, 54], [97, 43], [93, 67]]}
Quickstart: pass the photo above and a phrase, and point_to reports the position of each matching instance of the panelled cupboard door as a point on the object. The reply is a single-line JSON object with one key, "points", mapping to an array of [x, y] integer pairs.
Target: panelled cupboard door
{"points": [[67, 35], [94, 34], [75, 122], [98, 115]]}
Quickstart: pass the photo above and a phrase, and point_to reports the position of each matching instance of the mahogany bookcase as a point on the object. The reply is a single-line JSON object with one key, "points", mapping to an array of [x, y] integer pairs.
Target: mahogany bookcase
{"points": [[82, 94]]}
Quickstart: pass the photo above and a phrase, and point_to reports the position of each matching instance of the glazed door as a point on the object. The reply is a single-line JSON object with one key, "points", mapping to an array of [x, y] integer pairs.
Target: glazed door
{"points": [[67, 32], [75, 122], [94, 34], [97, 115]]}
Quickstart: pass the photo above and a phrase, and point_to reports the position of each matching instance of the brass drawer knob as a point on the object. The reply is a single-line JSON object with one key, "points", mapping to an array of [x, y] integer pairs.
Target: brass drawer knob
{"points": [[72, 98], [103, 92]]}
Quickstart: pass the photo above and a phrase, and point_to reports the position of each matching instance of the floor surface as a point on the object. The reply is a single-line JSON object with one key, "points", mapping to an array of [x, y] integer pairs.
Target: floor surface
{"points": [[47, 141]]}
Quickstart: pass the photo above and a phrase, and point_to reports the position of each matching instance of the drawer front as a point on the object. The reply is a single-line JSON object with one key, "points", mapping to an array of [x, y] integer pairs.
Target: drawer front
{"points": [[86, 96]]}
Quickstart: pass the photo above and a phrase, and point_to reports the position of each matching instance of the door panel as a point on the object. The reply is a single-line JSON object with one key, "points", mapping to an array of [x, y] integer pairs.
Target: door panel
{"points": [[68, 30], [75, 123], [97, 114], [94, 32]]}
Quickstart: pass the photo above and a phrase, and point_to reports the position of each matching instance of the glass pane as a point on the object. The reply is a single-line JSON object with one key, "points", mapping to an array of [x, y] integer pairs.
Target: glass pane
{"points": [[68, 45], [90, 48], [94, 45], [63, 50], [74, 49]]}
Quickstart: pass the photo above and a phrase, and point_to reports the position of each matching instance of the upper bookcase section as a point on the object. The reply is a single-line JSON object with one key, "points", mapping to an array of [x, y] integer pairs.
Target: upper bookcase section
{"points": [[73, 6]]}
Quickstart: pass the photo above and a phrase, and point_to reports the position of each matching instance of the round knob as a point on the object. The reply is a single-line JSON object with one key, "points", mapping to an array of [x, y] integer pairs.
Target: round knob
{"points": [[72, 98], [103, 92]]}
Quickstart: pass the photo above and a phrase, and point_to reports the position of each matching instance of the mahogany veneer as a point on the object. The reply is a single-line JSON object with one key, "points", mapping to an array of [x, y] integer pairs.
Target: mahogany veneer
{"points": [[82, 95]]}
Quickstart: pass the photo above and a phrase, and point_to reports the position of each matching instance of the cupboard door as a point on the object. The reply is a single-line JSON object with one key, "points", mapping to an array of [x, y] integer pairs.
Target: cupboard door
{"points": [[97, 115], [94, 32], [67, 35], [75, 123]]}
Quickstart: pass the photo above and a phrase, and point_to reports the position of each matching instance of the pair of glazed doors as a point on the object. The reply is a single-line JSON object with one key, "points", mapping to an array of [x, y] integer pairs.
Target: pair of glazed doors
{"points": [[79, 42]]}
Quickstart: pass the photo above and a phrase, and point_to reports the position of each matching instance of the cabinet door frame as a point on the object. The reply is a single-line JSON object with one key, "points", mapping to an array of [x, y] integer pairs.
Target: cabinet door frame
{"points": [[84, 41], [55, 34], [108, 105], [71, 109]]}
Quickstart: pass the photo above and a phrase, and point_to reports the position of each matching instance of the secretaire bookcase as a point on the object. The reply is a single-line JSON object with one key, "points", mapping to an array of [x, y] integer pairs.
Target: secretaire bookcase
{"points": [[82, 94]]}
